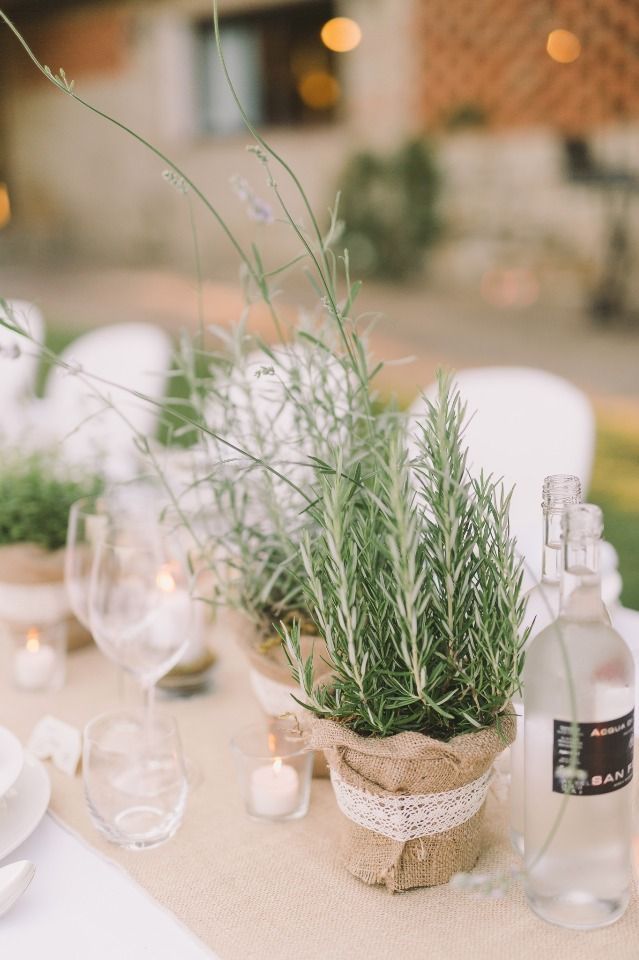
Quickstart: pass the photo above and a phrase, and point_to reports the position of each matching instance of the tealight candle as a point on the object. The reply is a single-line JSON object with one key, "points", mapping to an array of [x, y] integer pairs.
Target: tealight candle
{"points": [[274, 768], [37, 665], [274, 789], [173, 614]]}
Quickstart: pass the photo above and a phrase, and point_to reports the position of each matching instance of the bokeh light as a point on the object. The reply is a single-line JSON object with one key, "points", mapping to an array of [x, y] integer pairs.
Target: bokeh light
{"points": [[563, 46], [5, 206], [505, 287], [341, 34], [319, 90]]}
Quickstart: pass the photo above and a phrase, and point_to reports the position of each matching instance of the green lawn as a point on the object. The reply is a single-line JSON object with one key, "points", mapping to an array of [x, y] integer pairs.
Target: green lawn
{"points": [[615, 483], [615, 487]]}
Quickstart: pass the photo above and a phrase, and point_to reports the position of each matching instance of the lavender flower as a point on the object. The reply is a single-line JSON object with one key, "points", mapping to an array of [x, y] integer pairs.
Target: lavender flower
{"points": [[256, 208]]}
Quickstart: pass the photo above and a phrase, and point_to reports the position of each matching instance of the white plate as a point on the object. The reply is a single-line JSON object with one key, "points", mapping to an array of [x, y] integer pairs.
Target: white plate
{"points": [[22, 809], [11, 760]]}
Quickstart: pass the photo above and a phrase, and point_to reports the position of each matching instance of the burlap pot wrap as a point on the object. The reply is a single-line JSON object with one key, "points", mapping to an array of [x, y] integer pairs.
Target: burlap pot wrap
{"points": [[273, 684], [32, 591], [404, 768]]}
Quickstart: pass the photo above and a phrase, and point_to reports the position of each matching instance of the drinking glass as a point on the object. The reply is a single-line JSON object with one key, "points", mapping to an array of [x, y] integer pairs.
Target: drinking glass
{"points": [[88, 522], [137, 505], [134, 778], [139, 603]]}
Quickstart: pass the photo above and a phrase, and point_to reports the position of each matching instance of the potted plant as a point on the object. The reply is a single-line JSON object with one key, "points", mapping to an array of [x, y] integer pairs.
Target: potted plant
{"points": [[288, 405], [36, 493], [414, 586]]}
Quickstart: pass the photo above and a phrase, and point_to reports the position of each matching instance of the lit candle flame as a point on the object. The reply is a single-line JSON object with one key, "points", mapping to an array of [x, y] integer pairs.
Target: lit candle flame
{"points": [[271, 743], [277, 765], [33, 640], [165, 580]]}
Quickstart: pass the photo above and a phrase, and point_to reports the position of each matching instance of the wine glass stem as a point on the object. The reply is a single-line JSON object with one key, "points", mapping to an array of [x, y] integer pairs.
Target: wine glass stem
{"points": [[121, 685], [149, 700]]}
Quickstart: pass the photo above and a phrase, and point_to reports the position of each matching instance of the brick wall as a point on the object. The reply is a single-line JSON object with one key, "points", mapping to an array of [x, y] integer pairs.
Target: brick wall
{"points": [[487, 59]]}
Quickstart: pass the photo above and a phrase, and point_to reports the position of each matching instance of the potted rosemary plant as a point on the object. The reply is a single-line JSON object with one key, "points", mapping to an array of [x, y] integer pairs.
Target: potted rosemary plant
{"points": [[36, 493], [414, 586]]}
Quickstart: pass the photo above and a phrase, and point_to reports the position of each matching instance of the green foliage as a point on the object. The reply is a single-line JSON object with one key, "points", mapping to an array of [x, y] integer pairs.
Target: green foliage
{"points": [[414, 586], [466, 115], [615, 487], [388, 206], [290, 406], [36, 494], [57, 339]]}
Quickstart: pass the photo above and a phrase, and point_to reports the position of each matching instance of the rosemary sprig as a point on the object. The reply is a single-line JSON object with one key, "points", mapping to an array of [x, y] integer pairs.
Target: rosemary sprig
{"points": [[414, 585]]}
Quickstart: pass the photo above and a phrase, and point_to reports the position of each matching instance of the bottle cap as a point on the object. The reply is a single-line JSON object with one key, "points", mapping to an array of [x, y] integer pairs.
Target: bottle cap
{"points": [[561, 490], [582, 521]]}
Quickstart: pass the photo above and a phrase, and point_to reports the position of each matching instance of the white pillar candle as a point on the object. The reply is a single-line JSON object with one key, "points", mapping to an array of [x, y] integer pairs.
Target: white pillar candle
{"points": [[274, 789], [34, 664], [172, 617]]}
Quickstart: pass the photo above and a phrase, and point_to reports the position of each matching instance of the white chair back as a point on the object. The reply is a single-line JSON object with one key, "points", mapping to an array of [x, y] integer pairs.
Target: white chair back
{"points": [[18, 360], [525, 424], [133, 356]]}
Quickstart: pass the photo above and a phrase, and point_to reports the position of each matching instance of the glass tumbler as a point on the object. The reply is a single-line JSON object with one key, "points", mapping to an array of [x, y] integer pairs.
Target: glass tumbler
{"points": [[274, 767], [134, 777]]}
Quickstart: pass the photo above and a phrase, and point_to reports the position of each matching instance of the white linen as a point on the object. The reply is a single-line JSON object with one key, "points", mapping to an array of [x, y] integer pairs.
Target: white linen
{"points": [[81, 906]]}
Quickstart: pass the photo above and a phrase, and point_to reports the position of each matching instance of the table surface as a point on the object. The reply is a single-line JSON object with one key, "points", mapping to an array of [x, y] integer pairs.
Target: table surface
{"points": [[82, 906], [249, 890]]}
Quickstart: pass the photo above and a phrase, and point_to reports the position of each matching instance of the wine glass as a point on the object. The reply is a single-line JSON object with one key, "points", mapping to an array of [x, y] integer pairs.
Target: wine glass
{"points": [[139, 603], [88, 522]]}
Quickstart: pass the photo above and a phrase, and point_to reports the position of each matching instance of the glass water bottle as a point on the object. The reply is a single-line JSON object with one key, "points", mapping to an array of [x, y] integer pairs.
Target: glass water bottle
{"points": [[579, 697], [542, 607]]}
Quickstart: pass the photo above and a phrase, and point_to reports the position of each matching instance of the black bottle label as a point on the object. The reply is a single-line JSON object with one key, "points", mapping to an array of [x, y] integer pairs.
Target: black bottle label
{"points": [[592, 758]]}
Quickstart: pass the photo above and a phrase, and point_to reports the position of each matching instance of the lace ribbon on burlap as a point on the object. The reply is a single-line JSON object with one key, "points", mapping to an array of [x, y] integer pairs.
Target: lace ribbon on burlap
{"points": [[410, 816]]}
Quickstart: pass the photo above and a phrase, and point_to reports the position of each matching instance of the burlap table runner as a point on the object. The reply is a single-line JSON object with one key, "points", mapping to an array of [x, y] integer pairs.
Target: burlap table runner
{"points": [[254, 891]]}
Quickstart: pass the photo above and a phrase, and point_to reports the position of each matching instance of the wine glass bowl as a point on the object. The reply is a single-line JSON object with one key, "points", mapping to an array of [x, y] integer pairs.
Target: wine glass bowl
{"points": [[88, 520], [139, 602]]}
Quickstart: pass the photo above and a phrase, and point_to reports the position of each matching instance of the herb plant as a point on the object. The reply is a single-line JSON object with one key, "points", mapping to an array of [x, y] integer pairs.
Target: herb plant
{"points": [[36, 493], [414, 586], [292, 406]]}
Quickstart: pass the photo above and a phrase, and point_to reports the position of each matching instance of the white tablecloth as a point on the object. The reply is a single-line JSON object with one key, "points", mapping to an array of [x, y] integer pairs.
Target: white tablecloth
{"points": [[82, 907]]}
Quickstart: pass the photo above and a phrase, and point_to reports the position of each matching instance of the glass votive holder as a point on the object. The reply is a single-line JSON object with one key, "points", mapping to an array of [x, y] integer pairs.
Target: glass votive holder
{"points": [[274, 767], [40, 657]]}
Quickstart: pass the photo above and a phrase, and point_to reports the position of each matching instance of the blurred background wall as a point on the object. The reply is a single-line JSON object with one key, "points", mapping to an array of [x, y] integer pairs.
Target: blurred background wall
{"points": [[154, 65], [533, 106]]}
